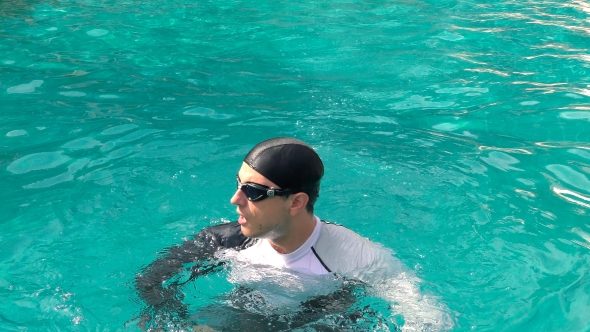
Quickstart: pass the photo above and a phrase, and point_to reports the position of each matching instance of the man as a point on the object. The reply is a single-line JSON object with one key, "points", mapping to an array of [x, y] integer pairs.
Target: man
{"points": [[277, 187]]}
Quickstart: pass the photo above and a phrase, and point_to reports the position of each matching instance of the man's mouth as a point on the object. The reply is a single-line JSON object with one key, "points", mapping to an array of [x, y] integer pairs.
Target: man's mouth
{"points": [[242, 220]]}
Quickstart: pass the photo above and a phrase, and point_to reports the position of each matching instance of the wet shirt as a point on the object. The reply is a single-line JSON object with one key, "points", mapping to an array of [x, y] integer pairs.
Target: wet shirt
{"points": [[311, 276], [329, 249]]}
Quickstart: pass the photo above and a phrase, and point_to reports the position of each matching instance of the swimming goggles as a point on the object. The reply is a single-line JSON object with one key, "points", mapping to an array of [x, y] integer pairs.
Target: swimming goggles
{"points": [[257, 192]]}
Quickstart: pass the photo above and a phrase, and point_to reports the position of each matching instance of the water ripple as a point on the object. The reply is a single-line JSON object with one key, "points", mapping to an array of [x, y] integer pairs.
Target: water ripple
{"points": [[501, 161], [25, 88], [453, 132], [37, 161], [572, 197], [64, 177], [570, 176]]}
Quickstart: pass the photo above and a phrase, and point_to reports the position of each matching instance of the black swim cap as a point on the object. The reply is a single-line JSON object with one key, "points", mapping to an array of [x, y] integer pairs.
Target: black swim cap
{"points": [[288, 162]]}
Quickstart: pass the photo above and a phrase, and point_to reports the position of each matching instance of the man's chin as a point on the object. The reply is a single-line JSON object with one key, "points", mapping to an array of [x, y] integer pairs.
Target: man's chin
{"points": [[246, 231]]}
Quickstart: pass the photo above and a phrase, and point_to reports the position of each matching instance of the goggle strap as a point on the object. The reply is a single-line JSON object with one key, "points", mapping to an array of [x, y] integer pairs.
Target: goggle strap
{"points": [[277, 192]]}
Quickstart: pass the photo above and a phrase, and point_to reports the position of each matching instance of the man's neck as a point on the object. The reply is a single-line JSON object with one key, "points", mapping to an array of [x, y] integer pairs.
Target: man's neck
{"points": [[301, 228]]}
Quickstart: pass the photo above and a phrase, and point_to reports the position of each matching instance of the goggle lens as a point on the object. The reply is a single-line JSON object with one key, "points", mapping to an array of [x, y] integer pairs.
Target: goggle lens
{"points": [[257, 192], [252, 193]]}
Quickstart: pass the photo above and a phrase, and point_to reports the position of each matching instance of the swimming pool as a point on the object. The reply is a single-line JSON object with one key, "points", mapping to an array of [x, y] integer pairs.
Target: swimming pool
{"points": [[453, 132]]}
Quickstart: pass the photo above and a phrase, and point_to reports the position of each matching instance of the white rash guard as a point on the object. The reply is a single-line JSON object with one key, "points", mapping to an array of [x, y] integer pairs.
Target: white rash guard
{"points": [[338, 250], [329, 249]]}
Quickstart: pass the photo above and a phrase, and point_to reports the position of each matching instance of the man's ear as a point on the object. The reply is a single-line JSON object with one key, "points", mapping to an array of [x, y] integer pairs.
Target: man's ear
{"points": [[298, 203]]}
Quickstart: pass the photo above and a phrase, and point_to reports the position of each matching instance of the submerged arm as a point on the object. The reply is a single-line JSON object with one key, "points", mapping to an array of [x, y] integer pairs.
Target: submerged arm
{"points": [[156, 285], [150, 282], [201, 250], [309, 314], [338, 302]]}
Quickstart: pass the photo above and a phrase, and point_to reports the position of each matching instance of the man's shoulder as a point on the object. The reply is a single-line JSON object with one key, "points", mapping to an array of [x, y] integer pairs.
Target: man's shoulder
{"points": [[344, 251], [339, 233]]}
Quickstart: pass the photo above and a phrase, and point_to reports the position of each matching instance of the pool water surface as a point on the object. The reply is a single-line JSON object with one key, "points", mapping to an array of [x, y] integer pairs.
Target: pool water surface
{"points": [[455, 133]]}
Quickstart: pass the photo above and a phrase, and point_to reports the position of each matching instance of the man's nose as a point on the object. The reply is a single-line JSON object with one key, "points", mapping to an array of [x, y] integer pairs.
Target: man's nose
{"points": [[238, 198]]}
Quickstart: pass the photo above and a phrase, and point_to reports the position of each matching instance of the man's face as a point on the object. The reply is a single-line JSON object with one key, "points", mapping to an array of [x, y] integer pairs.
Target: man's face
{"points": [[261, 219]]}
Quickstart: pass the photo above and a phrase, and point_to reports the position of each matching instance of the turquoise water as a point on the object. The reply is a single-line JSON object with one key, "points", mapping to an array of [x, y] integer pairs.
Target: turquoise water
{"points": [[454, 132]]}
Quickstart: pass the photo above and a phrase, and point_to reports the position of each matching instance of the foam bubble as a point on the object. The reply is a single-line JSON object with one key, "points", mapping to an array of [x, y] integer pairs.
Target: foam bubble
{"points": [[206, 113], [37, 161], [190, 131], [570, 176], [575, 115], [25, 88], [64, 177], [450, 36], [97, 32], [472, 90], [446, 126], [580, 152], [73, 94], [51, 29], [501, 161], [372, 119], [417, 101], [81, 143], [118, 129], [128, 138], [529, 103], [573, 95], [18, 132]]}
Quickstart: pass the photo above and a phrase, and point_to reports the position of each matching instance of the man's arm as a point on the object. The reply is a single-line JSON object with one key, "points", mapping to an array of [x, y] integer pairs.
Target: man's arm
{"points": [[200, 250], [156, 285]]}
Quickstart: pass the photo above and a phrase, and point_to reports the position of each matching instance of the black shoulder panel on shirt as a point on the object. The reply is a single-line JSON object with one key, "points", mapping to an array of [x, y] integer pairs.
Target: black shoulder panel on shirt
{"points": [[331, 223], [225, 236], [321, 261]]}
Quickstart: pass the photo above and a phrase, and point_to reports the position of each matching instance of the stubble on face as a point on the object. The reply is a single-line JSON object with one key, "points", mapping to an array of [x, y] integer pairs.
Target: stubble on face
{"points": [[277, 232], [265, 221]]}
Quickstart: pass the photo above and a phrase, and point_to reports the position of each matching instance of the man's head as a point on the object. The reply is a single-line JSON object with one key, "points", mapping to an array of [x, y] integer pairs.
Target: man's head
{"points": [[289, 163], [284, 167]]}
